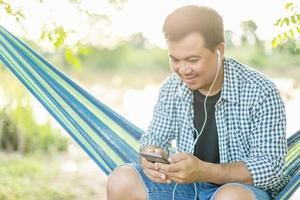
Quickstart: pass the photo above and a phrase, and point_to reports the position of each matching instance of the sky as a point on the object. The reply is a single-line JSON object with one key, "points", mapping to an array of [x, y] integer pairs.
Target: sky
{"points": [[136, 16]]}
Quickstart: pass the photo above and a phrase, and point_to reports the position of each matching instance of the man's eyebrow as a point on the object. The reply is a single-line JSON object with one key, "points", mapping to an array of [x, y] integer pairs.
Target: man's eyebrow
{"points": [[191, 56]]}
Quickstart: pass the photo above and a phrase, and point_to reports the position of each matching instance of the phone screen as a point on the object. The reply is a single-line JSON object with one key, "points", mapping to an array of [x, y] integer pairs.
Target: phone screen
{"points": [[151, 157]]}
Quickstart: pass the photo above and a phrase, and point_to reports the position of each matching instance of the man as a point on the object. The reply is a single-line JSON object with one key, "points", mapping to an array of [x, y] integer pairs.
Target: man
{"points": [[228, 122]]}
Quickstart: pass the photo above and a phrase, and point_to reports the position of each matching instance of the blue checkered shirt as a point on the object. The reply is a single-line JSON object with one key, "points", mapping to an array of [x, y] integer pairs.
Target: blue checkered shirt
{"points": [[250, 119]]}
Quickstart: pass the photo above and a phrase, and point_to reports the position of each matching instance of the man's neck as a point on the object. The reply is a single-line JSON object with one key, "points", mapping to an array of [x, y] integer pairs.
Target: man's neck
{"points": [[217, 86]]}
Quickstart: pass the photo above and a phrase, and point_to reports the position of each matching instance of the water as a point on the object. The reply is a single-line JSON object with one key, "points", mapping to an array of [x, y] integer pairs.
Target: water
{"points": [[136, 104]]}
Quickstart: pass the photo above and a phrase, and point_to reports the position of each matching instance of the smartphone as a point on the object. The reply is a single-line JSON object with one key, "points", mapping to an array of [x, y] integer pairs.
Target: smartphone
{"points": [[151, 157]]}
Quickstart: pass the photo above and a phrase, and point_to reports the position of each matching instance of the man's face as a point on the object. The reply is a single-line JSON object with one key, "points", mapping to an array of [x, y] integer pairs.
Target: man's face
{"points": [[195, 64]]}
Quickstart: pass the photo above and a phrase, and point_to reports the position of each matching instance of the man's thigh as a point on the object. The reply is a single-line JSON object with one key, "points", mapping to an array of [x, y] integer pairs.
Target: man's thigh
{"points": [[240, 191], [160, 191], [204, 191]]}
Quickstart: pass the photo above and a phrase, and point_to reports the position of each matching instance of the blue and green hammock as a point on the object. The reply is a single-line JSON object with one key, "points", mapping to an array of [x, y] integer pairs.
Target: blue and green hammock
{"points": [[108, 138]]}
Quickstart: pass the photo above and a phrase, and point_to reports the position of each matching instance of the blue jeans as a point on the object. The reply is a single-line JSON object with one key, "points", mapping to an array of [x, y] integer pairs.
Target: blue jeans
{"points": [[205, 191]]}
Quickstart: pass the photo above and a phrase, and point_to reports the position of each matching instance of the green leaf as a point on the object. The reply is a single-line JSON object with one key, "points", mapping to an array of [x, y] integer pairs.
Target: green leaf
{"points": [[292, 35], [277, 22], [8, 9], [280, 38], [274, 43], [50, 37], [293, 19], [72, 59], [289, 6], [43, 35], [286, 21], [298, 29], [60, 36], [285, 35]]}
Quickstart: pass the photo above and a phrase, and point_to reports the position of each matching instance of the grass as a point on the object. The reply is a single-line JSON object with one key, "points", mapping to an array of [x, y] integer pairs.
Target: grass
{"points": [[71, 175], [28, 178]]}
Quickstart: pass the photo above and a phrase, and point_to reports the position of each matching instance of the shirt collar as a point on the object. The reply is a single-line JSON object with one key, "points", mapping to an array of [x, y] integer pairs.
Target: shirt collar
{"points": [[230, 89]]}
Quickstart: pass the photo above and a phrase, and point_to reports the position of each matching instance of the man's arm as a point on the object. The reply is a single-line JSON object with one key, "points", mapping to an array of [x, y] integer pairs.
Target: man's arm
{"points": [[186, 168], [268, 144], [226, 173]]}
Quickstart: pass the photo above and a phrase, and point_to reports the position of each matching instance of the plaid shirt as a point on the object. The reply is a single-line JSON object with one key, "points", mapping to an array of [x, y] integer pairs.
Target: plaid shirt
{"points": [[250, 119]]}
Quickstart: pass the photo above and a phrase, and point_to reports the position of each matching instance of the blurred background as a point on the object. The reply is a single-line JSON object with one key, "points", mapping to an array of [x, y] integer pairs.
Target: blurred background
{"points": [[116, 51]]}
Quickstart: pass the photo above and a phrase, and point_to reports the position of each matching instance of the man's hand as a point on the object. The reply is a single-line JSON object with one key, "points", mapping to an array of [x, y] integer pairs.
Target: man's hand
{"points": [[184, 168], [149, 168]]}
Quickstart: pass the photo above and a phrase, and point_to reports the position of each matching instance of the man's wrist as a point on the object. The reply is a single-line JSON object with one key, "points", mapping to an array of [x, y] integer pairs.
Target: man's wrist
{"points": [[206, 171]]}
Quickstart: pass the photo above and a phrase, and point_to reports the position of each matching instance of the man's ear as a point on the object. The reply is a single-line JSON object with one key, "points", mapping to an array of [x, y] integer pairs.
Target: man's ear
{"points": [[221, 49]]}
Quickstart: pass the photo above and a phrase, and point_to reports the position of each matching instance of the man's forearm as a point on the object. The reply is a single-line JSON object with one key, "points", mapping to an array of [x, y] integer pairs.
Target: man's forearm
{"points": [[226, 173]]}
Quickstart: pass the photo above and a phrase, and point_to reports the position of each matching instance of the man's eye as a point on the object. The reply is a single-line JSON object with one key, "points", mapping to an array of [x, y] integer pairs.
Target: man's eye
{"points": [[193, 61]]}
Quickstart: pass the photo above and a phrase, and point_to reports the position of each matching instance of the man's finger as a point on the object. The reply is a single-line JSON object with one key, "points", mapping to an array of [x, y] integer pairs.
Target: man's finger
{"points": [[167, 168], [156, 176], [177, 157], [159, 151], [147, 164]]}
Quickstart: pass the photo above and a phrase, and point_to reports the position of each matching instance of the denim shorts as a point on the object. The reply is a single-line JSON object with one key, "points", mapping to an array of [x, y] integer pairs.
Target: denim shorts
{"points": [[205, 191]]}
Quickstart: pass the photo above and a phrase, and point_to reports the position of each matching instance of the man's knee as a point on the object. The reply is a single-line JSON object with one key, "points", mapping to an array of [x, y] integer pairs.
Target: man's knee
{"points": [[124, 183], [233, 192]]}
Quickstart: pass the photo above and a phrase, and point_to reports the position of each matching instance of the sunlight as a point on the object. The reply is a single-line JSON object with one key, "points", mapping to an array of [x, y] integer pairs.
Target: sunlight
{"points": [[137, 16]]}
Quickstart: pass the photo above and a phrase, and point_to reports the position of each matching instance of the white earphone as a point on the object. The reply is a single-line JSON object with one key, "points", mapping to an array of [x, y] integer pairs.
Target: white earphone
{"points": [[218, 56], [205, 111]]}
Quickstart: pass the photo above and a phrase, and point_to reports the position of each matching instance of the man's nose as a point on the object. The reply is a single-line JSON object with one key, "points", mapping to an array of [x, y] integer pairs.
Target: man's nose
{"points": [[184, 68]]}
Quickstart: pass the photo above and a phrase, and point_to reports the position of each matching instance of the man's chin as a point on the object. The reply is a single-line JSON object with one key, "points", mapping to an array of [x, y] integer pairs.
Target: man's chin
{"points": [[193, 87]]}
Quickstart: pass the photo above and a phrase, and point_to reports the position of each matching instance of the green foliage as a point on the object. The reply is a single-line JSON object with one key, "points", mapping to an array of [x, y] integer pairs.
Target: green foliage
{"points": [[249, 28], [10, 137], [133, 55], [19, 132], [71, 58], [290, 46], [28, 178], [17, 14], [248, 54], [57, 36], [279, 59], [289, 24]]}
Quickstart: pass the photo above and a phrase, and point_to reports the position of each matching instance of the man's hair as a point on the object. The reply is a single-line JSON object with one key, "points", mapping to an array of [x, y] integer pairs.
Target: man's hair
{"points": [[195, 19]]}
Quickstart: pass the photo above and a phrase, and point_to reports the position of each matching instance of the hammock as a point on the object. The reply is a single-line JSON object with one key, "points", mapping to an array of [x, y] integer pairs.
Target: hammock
{"points": [[108, 138]]}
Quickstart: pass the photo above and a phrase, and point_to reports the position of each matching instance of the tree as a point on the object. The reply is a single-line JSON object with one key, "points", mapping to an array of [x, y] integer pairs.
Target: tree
{"points": [[249, 28], [289, 26], [56, 34]]}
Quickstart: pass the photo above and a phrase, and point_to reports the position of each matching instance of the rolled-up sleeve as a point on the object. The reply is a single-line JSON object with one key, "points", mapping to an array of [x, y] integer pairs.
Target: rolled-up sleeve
{"points": [[268, 141]]}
